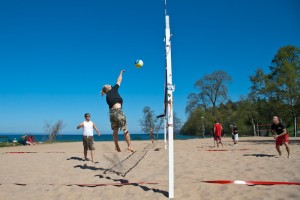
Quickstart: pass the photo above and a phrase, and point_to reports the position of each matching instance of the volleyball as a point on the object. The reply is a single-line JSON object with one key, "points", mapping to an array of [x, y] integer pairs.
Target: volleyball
{"points": [[139, 63]]}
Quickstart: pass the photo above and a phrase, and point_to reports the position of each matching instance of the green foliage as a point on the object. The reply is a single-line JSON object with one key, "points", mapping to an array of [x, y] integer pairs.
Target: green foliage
{"points": [[149, 121], [227, 114], [8, 144], [211, 89], [278, 92], [274, 93], [285, 75]]}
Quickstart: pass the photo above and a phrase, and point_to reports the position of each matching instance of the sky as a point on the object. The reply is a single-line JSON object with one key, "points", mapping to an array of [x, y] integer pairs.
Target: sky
{"points": [[55, 55]]}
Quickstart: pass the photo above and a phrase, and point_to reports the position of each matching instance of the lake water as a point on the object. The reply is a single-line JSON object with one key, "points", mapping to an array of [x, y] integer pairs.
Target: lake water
{"points": [[77, 138]]}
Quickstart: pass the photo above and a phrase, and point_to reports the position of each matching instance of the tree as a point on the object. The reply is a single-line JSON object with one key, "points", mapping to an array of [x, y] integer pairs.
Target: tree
{"points": [[258, 85], [285, 72], [149, 121], [53, 130], [281, 87], [211, 89], [176, 123]]}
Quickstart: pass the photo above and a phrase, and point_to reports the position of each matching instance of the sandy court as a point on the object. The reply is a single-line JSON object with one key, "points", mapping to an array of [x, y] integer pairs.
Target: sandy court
{"points": [[57, 171]]}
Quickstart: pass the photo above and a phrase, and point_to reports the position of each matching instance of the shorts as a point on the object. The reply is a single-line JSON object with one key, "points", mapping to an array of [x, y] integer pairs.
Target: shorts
{"points": [[236, 137], [217, 138], [88, 143], [118, 119], [280, 140]]}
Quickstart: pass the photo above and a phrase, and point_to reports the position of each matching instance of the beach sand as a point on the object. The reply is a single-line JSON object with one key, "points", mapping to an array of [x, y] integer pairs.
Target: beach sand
{"points": [[57, 171]]}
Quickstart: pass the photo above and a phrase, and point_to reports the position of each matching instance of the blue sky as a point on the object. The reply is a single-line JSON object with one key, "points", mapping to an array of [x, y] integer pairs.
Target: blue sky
{"points": [[55, 55]]}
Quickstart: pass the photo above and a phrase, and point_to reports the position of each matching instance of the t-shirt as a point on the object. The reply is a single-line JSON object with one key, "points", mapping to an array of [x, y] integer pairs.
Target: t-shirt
{"points": [[88, 128], [218, 129], [113, 96], [278, 128], [235, 130]]}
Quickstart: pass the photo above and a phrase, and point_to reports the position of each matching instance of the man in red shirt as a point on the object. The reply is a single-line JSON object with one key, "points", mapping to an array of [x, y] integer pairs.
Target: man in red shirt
{"points": [[217, 133]]}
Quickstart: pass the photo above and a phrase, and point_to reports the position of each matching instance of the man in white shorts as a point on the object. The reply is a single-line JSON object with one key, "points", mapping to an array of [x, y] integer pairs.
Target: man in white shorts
{"points": [[235, 134]]}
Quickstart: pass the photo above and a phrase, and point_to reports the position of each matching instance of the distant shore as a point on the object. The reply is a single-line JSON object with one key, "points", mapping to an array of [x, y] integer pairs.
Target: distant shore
{"points": [[78, 137]]}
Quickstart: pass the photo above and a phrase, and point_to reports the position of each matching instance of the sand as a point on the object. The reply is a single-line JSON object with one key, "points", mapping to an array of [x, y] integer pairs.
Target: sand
{"points": [[57, 171]]}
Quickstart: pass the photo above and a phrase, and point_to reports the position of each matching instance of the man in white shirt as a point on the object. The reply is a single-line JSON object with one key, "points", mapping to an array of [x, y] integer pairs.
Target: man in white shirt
{"points": [[88, 135]]}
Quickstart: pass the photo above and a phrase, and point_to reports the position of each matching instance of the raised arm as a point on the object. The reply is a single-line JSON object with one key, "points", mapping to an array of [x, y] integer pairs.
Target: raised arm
{"points": [[120, 77]]}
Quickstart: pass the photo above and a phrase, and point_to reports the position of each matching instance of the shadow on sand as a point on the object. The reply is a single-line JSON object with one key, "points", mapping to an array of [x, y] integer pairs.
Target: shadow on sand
{"points": [[126, 182], [76, 158], [260, 155], [270, 141], [122, 181]]}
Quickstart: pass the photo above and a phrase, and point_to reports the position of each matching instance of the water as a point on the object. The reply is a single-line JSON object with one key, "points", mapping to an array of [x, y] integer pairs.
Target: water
{"points": [[77, 138]]}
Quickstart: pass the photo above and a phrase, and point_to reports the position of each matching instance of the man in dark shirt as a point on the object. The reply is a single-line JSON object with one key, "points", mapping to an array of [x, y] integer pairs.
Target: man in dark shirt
{"points": [[113, 96], [279, 133], [235, 134], [117, 117]]}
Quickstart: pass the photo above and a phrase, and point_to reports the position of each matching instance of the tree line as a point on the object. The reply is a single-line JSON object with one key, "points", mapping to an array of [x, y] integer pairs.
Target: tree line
{"points": [[274, 93]]}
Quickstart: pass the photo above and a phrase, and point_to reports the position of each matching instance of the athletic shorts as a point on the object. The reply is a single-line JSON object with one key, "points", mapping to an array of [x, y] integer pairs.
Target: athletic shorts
{"points": [[88, 143], [236, 137], [217, 138], [280, 140], [118, 119]]}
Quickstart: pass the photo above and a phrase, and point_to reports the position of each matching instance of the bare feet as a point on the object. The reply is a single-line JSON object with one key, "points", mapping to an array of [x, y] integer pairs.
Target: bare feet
{"points": [[131, 149], [118, 149]]}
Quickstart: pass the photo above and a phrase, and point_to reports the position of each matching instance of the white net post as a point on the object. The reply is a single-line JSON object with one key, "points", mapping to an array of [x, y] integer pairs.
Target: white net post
{"points": [[169, 114]]}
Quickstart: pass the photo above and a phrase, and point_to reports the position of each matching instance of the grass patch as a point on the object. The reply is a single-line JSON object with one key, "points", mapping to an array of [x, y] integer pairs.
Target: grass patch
{"points": [[9, 144]]}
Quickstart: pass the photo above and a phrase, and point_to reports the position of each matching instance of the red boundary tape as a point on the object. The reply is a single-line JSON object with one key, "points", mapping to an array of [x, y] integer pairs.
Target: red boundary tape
{"points": [[253, 182]]}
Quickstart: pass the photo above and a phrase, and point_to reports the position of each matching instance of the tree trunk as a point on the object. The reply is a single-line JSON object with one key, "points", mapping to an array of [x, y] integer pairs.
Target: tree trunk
{"points": [[253, 124], [295, 125]]}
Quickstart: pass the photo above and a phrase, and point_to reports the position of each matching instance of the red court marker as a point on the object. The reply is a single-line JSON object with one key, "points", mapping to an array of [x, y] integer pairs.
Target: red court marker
{"points": [[252, 182]]}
